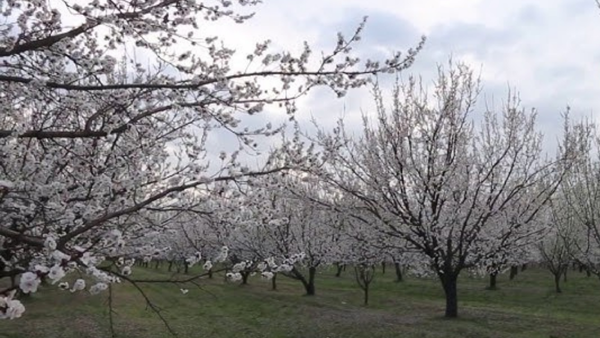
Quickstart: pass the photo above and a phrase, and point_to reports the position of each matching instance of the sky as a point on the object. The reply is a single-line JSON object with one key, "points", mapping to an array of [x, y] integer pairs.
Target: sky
{"points": [[549, 51]]}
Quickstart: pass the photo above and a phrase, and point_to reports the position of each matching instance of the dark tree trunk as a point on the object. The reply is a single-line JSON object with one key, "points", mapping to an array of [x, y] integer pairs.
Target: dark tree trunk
{"points": [[557, 282], [398, 268], [274, 282], [245, 276], [186, 267], [580, 268], [588, 272], [449, 282], [493, 281], [383, 268], [514, 270], [170, 265], [339, 268], [157, 264], [210, 274], [565, 275], [523, 267], [310, 286], [364, 276]]}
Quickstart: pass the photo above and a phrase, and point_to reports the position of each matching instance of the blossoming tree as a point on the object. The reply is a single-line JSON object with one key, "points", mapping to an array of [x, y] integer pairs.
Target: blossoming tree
{"points": [[94, 137], [455, 188], [283, 226]]}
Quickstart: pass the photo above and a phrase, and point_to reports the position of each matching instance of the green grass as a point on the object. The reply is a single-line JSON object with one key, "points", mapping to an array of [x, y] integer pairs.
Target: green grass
{"points": [[524, 307]]}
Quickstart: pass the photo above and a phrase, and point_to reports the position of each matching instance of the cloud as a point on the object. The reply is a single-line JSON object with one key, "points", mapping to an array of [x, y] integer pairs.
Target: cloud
{"points": [[547, 50]]}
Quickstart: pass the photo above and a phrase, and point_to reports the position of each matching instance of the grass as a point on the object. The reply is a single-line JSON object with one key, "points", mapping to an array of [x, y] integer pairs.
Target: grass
{"points": [[525, 307]]}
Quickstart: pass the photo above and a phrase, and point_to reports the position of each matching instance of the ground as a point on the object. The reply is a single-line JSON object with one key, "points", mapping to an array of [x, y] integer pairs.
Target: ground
{"points": [[525, 307]]}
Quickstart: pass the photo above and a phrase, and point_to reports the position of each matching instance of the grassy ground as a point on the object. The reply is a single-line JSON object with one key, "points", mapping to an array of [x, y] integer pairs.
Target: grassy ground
{"points": [[524, 307]]}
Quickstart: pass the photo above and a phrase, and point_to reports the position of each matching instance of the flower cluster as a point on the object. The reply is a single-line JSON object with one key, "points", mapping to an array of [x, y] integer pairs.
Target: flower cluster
{"points": [[234, 276], [10, 308], [191, 261]]}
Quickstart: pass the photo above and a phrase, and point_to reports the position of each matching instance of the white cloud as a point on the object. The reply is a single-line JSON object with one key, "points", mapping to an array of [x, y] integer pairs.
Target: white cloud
{"points": [[548, 50]]}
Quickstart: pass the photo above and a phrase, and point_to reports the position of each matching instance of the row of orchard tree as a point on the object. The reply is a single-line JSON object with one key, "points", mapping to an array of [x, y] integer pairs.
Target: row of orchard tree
{"points": [[426, 187], [104, 160]]}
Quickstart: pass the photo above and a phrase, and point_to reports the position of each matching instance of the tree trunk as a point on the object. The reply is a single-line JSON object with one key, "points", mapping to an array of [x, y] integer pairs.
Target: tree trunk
{"points": [[523, 267], [170, 265], [366, 294], [493, 280], [383, 268], [588, 272], [210, 274], [449, 282], [514, 270], [338, 266], [398, 268], [245, 277], [274, 282], [557, 282], [565, 275], [156, 264], [186, 267], [310, 286]]}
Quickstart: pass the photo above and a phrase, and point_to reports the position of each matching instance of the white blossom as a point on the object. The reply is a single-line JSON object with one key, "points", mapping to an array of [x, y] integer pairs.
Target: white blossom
{"points": [[78, 285], [56, 273], [29, 282], [10, 308]]}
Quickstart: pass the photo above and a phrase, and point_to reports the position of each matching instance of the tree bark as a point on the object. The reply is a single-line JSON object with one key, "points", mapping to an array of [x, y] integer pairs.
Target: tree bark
{"points": [[557, 282], [523, 267], [170, 265], [398, 268], [514, 270], [449, 282], [366, 295], [186, 267], [274, 282], [493, 281], [310, 286], [383, 268], [565, 275], [245, 277], [339, 267]]}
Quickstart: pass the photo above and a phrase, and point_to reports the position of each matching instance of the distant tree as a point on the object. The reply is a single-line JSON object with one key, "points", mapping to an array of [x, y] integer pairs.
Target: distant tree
{"points": [[581, 202], [556, 247], [363, 253]]}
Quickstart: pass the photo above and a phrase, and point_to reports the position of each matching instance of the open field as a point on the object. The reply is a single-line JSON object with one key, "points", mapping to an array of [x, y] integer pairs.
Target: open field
{"points": [[524, 307]]}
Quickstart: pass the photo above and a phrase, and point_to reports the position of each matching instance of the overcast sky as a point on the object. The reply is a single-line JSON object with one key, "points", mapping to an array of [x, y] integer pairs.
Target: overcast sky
{"points": [[548, 50]]}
